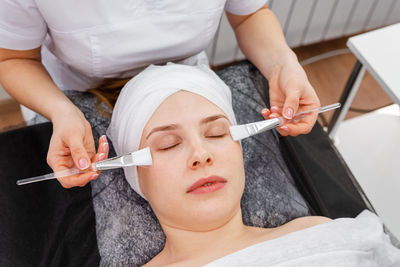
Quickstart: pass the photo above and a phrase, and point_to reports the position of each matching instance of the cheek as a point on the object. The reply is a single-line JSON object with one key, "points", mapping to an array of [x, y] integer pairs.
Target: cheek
{"points": [[160, 179], [232, 160], [231, 153]]}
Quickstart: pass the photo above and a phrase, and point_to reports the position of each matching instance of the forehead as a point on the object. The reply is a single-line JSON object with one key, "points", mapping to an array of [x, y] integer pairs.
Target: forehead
{"points": [[183, 107]]}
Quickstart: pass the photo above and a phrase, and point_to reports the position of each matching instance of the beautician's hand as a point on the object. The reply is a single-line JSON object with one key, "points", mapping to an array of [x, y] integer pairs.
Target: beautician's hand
{"points": [[72, 145], [262, 41], [290, 92]]}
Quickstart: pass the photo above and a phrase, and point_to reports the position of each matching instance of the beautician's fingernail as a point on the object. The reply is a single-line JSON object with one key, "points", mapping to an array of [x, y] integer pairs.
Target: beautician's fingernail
{"points": [[83, 163], [264, 110], [288, 113], [94, 176], [102, 156], [104, 147], [285, 128], [104, 138], [274, 109], [273, 116]]}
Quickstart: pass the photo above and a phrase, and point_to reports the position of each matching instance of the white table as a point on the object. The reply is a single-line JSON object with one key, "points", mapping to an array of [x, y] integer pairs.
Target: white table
{"points": [[378, 52], [370, 144]]}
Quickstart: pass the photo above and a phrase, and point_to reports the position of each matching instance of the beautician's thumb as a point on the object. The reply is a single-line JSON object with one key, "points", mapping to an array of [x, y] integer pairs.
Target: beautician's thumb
{"points": [[291, 105], [79, 154]]}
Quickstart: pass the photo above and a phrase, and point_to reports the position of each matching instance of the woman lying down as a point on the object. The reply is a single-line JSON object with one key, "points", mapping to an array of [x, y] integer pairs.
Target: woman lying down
{"points": [[197, 179]]}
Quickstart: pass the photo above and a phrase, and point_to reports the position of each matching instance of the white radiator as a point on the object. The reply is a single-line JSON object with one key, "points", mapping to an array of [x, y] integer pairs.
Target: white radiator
{"points": [[311, 21]]}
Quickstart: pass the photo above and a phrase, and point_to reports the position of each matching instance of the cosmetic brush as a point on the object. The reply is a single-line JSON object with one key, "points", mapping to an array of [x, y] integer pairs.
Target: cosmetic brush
{"points": [[138, 158], [239, 132]]}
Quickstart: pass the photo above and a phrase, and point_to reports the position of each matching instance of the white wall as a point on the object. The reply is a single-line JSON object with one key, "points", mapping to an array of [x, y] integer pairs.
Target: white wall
{"points": [[310, 21]]}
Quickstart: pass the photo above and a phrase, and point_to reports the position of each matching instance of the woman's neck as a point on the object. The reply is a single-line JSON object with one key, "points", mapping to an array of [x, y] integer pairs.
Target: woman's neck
{"points": [[185, 244]]}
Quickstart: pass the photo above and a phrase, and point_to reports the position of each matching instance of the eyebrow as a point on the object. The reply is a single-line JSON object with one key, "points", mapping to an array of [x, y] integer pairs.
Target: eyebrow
{"points": [[171, 127]]}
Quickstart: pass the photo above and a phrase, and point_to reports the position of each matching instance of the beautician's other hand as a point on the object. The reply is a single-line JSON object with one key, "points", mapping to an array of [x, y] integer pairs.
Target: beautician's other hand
{"points": [[72, 145], [290, 92], [262, 41]]}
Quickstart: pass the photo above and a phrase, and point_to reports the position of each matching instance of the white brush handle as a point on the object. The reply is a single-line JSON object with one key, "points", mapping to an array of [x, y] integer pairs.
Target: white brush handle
{"points": [[239, 132], [319, 110], [54, 175], [139, 158]]}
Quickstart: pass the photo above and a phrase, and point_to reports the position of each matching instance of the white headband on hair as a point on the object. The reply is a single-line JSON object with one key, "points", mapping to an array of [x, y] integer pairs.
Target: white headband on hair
{"points": [[142, 95]]}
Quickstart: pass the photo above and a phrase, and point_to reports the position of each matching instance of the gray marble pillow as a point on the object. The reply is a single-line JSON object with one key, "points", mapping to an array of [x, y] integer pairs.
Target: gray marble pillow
{"points": [[128, 232]]}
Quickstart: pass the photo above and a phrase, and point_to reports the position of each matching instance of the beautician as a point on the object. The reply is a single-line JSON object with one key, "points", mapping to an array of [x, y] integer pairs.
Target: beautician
{"points": [[50, 46]]}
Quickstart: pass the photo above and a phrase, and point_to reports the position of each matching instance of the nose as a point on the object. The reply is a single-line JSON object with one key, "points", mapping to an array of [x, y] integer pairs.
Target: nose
{"points": [[200, 156]]}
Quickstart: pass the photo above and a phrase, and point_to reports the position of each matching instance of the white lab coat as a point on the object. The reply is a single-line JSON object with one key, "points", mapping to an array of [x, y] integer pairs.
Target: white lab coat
{"points": [[84, 42]]}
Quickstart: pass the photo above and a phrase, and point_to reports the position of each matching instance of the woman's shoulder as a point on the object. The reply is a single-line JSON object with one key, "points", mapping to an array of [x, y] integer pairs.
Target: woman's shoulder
{"points": [[305, 222], [366, 221], [318, 241], [298, 224]]}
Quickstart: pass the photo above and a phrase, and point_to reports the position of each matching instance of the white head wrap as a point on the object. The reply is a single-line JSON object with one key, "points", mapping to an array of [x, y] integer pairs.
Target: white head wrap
{"points": [[142, 95]]}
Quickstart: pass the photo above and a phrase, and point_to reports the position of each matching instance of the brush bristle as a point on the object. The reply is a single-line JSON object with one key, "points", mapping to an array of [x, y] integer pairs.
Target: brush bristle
{"points": [[142, 157], [238, 132]]}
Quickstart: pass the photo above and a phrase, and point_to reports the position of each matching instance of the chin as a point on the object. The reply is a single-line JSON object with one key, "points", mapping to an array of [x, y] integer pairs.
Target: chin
{"points": [[210, 213], [209, 221]]}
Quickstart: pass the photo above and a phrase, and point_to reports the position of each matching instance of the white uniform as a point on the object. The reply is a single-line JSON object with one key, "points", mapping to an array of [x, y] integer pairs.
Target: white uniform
{"points": [[86, 41]]}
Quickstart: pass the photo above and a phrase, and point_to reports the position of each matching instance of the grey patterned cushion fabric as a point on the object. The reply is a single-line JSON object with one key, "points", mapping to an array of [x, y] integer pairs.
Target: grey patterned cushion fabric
{"points": [[128, 232]]}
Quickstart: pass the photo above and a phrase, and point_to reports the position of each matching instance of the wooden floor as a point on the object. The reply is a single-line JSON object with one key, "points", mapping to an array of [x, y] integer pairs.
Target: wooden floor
{"points": [[328, 77], [10, 115]]}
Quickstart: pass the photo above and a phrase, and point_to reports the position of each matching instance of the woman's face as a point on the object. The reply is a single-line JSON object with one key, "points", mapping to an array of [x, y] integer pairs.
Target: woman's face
{"points": [[197, 177]]}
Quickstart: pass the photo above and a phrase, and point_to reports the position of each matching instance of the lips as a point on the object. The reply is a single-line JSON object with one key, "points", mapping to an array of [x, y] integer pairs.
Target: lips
{"points": [[207, 185]]}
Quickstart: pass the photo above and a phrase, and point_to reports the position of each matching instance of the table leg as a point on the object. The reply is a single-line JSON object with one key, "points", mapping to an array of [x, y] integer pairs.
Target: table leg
{"points": [[350, 91]]}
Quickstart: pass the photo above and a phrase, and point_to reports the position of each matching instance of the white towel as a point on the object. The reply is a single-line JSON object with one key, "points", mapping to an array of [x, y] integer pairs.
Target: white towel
{"points": [[341, 242], [142, 95]]}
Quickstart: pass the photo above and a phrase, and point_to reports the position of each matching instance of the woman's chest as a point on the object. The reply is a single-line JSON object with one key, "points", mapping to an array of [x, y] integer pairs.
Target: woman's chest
{"points": [[103, 38], [77, 15]]}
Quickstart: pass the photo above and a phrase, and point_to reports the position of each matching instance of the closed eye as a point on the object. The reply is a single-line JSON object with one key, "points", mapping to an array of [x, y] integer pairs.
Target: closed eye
{"points": [[169, 147], [216, 136], [217, 129]]}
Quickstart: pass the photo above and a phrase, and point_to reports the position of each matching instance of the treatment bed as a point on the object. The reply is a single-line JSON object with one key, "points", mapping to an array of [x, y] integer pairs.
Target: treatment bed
{"points": [[43, 224]]}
